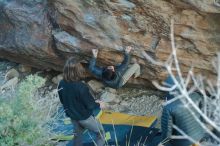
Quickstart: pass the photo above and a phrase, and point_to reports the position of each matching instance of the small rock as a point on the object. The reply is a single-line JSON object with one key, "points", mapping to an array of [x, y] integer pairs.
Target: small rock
{"points": [[48, 77], [54, 91], [117, 100], [113, 107], [48, 69], [126, 4], [126, 98], [95, 85], [108, 97], [57, 78], [10, 84], [24, 68], [11, 74], [39, 72], [107, 106], [124, 103], [50, 87], [123, 109], [110, 90]]}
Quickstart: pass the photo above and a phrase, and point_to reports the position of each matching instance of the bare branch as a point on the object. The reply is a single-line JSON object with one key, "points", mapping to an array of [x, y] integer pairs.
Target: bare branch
{"points": [[210, 110], [185, 136], [151, 59]]}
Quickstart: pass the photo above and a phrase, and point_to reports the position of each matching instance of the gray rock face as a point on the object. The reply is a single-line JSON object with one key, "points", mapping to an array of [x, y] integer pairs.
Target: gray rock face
{"points": [[25, 34], [44, 33], [11, 74]]}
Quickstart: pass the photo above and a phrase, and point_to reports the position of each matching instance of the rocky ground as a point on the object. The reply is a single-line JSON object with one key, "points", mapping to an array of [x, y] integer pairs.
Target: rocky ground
{"points": [[140, 102], [126, 100], [130, 100]]}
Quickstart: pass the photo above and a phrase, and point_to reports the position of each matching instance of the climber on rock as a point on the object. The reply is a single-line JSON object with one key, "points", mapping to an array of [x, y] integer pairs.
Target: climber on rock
{"points": [[115, 76]]}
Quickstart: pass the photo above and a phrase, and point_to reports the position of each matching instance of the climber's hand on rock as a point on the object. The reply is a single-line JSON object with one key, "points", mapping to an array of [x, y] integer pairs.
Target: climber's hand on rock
{"points": [[128, 49], [95, 52]]}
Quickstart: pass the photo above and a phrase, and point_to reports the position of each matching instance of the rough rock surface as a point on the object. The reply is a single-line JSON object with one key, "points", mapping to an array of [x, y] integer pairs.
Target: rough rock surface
{"points": [[43, 33], [139, 102], [24, 68]]}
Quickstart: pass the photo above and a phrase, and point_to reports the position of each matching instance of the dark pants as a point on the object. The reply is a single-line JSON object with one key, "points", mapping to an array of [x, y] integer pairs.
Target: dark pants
{"points": [[91, 124]]}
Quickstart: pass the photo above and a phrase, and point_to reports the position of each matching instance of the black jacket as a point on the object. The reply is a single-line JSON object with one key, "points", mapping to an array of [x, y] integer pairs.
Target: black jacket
{"points": [[77, 100], [178, 114], [119, 71]]}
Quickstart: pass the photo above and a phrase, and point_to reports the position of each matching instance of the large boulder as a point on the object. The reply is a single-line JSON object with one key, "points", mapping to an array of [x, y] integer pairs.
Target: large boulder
{"points": [[44, 33], [25, 34]]}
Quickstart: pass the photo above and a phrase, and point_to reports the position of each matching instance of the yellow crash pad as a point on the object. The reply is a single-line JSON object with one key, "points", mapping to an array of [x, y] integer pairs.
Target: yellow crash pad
{"points": [[108, 117]]}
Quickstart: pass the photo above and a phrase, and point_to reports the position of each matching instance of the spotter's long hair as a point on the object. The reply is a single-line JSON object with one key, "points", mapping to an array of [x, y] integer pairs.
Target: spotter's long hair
{"points": [[73, 71]]}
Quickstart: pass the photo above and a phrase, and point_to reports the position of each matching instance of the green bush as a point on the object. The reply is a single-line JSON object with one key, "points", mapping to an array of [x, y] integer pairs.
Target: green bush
{"points": [[21, 119]]}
